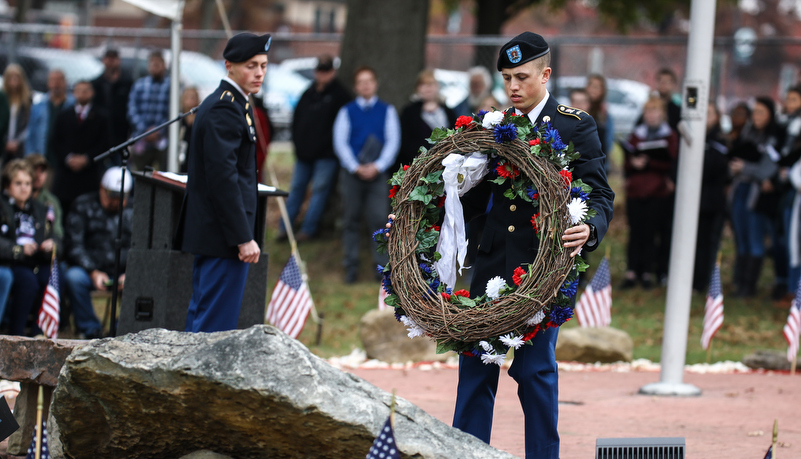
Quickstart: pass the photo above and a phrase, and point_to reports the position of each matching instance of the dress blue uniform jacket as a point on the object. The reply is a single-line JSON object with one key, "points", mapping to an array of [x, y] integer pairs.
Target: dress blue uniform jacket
{"points": [[220, 206], [509, 239]]}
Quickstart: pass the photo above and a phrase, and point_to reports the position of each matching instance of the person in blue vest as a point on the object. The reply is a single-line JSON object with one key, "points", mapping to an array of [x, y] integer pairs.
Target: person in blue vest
{"points": [[509, 241], [366, 141], [219, 212]]}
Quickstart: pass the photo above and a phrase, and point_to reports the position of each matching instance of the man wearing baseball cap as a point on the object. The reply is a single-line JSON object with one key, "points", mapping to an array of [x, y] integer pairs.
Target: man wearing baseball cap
{"points": [[90, 231], [219, 214], [509, 240]]}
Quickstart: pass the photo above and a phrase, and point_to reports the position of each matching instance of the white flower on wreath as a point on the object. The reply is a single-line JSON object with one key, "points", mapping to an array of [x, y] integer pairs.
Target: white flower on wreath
{"points": [[497, 359], [494, 287], [577, 210], [512, 341], [486, 346], [536, 319], [414, 329], [492, 119]]}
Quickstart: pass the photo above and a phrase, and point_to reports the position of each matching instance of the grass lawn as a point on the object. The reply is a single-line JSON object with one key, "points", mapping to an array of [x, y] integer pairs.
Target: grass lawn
{"points": [[749, 324]]}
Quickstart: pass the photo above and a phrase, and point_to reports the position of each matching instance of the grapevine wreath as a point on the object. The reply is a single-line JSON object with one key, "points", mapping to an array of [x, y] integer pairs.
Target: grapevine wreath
{"points": [[531, 164]]}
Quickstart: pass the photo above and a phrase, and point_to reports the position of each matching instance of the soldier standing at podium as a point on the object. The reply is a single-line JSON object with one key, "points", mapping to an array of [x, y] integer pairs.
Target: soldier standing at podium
{"points": [[219, 215]]}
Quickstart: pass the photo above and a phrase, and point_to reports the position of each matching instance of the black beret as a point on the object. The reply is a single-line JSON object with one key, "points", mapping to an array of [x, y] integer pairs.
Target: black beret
{"points": [[523, 48], [243, 46]]}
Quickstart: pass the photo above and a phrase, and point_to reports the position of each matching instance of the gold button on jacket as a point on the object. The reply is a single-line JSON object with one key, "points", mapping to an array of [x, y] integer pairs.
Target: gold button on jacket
{"points": [[511, 228], [513, 208]]}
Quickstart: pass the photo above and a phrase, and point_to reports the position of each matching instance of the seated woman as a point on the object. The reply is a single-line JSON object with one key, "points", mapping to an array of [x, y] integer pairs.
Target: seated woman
{"points": [[26, 243]]}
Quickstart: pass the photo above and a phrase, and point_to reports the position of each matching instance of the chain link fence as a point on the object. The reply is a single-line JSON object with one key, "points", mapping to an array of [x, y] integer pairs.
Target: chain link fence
{"points": [[741, 71]]}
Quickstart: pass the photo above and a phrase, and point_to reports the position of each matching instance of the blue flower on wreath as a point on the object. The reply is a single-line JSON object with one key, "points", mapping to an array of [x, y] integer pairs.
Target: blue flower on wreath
{"points": [[577, 192], [425, 268], [551, 136], [569, 288], [378, 233], [481, 114], [386, 283], [397, 314], [505, 133], [532, 192], [560, 315], [434, 284]]}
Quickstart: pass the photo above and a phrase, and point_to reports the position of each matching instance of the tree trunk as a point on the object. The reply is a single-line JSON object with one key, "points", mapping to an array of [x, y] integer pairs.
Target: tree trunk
{"points": [[389, 37], [490, 16]]}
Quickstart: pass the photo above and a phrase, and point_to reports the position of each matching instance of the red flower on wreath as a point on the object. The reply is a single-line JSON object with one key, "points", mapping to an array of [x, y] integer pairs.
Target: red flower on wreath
{"points": [[533, 142], [441, 201], [433, 228], [464, 121], [532, 333], [507, 170], [517, 278], [447, 296], [393, 191], [567, 176], [534, 221], [462, 292]]}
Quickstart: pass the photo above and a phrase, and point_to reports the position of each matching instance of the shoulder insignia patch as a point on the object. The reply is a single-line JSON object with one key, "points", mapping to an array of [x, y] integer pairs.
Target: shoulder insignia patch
{"points": [[227, 94], [570, 111]]}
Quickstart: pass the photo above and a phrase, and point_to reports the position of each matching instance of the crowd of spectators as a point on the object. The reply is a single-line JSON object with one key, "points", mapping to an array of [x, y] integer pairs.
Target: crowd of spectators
{"points": [[57, 200]]}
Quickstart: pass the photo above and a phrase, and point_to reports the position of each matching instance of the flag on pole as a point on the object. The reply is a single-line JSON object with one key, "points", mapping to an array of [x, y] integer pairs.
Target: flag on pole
{"points": [[45, 454], [769, 454], [50, 310], [382, 295], [384, 446], [713, 310], [594, 308], [792, 328], [291, 303]]}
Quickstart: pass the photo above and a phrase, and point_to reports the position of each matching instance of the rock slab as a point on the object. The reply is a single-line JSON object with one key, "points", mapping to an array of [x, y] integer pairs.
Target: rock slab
{"points": [[590, 345], [767, 359], [252, 393], [34, 360], [386, 339]]}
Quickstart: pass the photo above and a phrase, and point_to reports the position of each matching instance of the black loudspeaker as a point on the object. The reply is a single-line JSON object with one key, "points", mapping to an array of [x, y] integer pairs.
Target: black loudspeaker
{"points": [[158, 287]]}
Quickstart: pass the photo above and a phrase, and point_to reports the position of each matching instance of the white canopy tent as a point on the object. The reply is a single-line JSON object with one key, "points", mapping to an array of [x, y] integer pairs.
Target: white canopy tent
{"points": [[174, 11]]}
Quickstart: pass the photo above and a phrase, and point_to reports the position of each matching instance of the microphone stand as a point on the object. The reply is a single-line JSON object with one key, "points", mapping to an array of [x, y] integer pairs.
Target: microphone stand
{"points": [[122, 150]]}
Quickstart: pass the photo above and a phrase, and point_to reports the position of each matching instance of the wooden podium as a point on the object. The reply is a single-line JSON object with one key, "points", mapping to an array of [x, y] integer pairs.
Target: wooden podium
{"points": [[158, 280]]}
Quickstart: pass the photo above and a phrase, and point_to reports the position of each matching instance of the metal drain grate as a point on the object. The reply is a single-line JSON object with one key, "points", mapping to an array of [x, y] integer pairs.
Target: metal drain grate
{"points": [[640, 448]]}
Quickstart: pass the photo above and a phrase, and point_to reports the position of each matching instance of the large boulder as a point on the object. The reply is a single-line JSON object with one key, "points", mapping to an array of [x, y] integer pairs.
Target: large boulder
{"points": [[387, 340], [767, 359], [252, 393], [590, 345]]}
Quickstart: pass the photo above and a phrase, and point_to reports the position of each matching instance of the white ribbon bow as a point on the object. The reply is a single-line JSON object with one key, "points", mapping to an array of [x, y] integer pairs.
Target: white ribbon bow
{"points": [[462, 172]]}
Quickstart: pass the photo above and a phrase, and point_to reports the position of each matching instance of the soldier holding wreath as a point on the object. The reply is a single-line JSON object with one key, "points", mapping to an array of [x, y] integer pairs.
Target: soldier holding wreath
{"points": [[509, 241], [541, 164]]}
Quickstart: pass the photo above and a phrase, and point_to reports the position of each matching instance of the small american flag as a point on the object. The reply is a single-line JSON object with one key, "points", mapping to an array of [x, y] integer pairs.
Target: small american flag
{"points": [[291, 303], [792, 328], [713, 310], [45, 453], [49, 312], [594, 308], [382, 295], [769, 454], [384, 446]]}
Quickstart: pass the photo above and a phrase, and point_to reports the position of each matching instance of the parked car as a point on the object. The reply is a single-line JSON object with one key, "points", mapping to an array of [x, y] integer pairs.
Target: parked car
{"points": [[283, 88], [624, 99], [37, 63], [197, 69]]}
